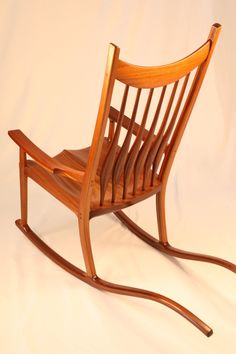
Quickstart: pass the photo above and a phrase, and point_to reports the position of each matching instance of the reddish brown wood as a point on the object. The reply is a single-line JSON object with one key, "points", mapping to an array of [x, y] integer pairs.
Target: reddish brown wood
{"points": [[42, 159], [101, 284], [121, 159], [156, 76], [111, 130], [140, 161], [111, 155], [82, 179], [157, 142], [167, 248], [23, 187], [114, 114], [131, 159], [166, 136]]}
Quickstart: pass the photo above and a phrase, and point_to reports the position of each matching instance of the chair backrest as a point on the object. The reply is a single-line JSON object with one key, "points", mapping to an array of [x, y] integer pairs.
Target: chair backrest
{"points": [[145, 156]]}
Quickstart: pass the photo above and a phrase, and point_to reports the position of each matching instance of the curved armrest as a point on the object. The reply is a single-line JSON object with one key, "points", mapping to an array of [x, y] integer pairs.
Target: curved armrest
{"points": [[69, 172], [43, 159]]}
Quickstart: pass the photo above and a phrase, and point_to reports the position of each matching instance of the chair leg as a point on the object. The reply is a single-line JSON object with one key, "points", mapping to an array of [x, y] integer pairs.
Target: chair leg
{"points": [[162, 244], [23, 188], [161, 217], [172, 251], [90, 276], [100, 284], [83, 220]]}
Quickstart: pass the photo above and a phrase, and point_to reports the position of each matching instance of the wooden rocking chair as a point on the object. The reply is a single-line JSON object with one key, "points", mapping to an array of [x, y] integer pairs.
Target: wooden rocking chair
{"points": [[109, 176]]}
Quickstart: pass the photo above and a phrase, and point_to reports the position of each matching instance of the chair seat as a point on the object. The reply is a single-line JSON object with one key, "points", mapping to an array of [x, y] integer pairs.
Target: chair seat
{"points": [[127, 174], [68, 191]]}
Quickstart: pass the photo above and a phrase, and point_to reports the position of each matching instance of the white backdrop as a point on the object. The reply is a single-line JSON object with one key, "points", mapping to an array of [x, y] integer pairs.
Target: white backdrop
{"points": [[52, 60]]}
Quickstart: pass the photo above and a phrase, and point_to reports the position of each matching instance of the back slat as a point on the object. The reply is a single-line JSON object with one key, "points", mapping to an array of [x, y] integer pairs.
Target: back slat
{"points": [[158, 139], [182, 115], [114, 114], [110, 158], [168, 131], [138, 168], [147, 143], [120, 162], [135, 148]]}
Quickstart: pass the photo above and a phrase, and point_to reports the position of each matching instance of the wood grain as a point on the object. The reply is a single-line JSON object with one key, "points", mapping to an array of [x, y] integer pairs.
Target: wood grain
{"points": [[156, 76], [106, 177]]}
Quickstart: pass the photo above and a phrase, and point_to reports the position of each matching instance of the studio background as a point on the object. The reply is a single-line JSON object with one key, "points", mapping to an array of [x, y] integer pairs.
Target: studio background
{"points": [[52, 61]]}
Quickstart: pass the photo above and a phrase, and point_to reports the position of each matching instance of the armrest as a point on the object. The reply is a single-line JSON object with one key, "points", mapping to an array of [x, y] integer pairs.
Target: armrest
{"points": [[69, 172], [43, 159], [32, 150], [114, 114]]}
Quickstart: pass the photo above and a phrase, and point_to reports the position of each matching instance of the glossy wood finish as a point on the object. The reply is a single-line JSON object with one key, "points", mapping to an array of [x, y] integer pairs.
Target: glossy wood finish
{"points": [[134, 151], [123, 153], [107, 177], [178, 133], [154, 149], [23, 187], [42, 159], [146, 147], [114, 114], [150, 77], [167, 248], [109, 162], [101, 284]]}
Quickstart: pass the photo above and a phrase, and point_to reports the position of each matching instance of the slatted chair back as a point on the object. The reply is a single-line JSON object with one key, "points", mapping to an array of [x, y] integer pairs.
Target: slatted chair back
{"points": [[144, 158], [130, 159]]}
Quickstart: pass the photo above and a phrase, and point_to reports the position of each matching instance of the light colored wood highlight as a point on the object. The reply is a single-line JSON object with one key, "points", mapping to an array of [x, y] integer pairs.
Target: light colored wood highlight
{"points": [[156, 76]]}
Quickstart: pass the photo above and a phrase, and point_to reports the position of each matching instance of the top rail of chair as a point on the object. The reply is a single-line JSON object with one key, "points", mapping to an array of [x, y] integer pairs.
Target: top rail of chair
{"points": [[156, 76]]}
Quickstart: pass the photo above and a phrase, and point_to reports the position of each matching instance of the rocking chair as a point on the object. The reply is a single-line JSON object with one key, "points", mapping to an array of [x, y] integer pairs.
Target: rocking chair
{"points": [[112, 173]]}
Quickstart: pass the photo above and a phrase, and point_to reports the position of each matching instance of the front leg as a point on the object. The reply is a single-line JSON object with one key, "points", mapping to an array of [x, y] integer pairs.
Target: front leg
{"points": [[23, 187]]}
